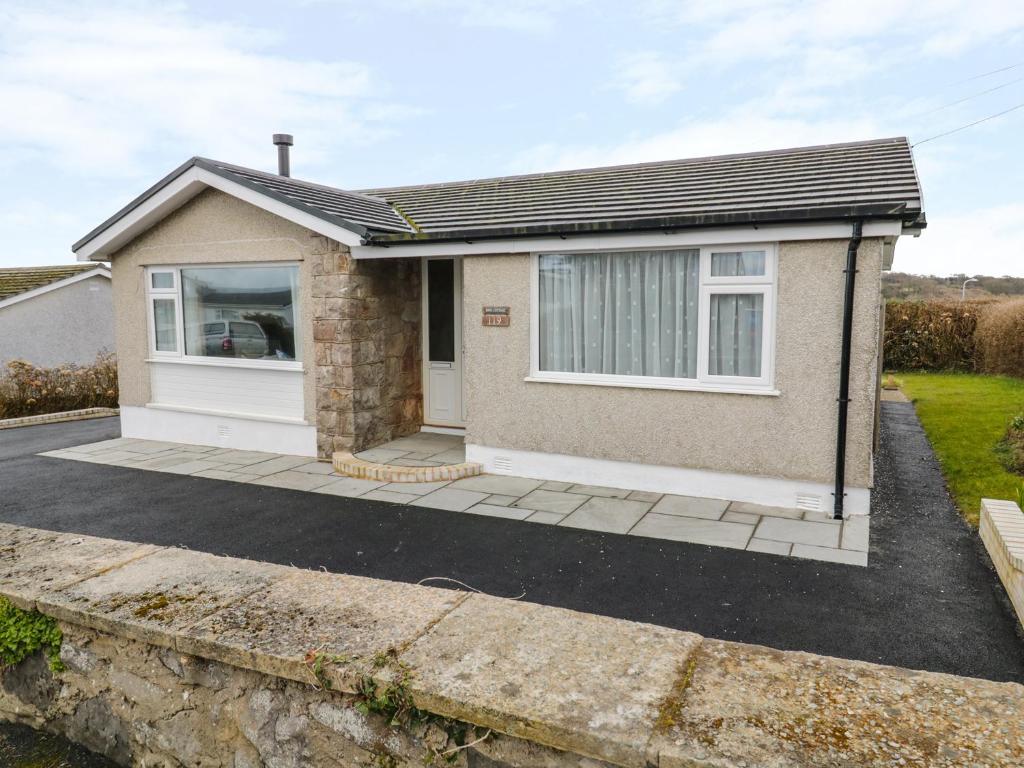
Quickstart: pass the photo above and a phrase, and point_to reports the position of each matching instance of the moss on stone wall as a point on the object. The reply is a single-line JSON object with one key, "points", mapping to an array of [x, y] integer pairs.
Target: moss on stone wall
{"points": [[22, 633]]}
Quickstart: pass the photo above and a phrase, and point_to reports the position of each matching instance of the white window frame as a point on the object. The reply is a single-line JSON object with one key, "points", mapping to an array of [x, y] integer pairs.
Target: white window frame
{"points": [[704, 382], [164, 294], [175, 293]]}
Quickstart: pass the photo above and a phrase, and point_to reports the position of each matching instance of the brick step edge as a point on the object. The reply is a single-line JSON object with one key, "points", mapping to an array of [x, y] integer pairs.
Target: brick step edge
{"points": [[347, 464], [1001, 529], [50, 418]]}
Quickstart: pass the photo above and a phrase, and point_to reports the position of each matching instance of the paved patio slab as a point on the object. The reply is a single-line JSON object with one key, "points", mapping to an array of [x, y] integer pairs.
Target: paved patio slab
{"points": [[612, 515], [677, 528], [712, 522]]}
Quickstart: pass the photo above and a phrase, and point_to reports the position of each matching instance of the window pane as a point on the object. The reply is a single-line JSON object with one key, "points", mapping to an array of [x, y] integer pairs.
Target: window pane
{"points": [[162, 280], [631, 313], [164, 326], [737, 263], [259, 302], [737, 320], [441, 310]]}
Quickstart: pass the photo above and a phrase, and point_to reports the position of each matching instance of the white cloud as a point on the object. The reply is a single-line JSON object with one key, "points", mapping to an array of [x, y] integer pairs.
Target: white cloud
{"points": [[646, 77], [513, 15], [743, 130], [97, 90], [761, 29], [989, 241]]}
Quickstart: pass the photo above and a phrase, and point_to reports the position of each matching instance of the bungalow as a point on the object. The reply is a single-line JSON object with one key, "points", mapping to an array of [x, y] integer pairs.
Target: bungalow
{"points": [[708, 327], [55, 315]]}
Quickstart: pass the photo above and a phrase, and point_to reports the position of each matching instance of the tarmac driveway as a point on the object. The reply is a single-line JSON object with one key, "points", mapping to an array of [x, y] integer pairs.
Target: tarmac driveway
{"points": [[927, 600]]}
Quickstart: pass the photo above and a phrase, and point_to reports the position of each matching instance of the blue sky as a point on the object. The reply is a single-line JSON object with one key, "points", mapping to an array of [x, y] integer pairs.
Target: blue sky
{"points": [[102, 99]]}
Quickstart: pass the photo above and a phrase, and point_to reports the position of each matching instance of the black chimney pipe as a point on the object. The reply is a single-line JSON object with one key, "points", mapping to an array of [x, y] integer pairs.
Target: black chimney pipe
{"points": [[844, 369], [283, 141]]}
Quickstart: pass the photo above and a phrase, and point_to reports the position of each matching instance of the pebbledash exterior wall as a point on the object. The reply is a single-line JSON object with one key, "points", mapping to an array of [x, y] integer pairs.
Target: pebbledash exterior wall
{"points": [[361, 350], [359, 329], [789, 436]]}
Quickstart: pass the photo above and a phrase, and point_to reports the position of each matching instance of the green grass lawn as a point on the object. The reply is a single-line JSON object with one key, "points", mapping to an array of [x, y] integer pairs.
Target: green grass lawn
{"points": [[965, 416]]}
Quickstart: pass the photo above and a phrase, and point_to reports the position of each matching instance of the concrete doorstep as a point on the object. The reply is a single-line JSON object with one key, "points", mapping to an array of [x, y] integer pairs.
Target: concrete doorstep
{"points": [[290, 653]]}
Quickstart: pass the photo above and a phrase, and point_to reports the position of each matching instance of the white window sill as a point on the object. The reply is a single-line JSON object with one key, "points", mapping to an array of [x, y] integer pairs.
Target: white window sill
{"points": [[230, 414], [655, 383], [260, 365]]}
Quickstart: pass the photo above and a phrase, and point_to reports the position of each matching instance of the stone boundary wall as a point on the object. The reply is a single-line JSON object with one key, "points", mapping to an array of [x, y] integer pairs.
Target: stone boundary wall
{"points": [[1002, 530], [181, 658], [51, 418]]}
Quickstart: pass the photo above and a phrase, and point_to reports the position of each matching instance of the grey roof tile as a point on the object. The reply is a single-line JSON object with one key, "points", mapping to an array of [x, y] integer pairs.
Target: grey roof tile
{"points": [[867, 179], [800, 184], [15, 280]]}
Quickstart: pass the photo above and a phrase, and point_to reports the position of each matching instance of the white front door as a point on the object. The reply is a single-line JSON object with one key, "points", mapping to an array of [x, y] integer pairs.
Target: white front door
{"points": [[442, 342]]}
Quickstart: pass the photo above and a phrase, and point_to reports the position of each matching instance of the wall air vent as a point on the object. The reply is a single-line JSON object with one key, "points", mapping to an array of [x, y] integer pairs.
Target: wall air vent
{"points": [[809, 502], [223, 430], [502, 464]]}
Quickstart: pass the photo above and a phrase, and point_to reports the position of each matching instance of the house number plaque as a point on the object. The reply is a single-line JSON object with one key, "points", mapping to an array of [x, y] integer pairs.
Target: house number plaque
{"points": [[496, 317]]}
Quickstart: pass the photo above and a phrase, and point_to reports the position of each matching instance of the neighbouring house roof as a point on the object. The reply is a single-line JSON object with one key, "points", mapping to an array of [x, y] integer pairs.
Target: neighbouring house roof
{"points": [[18, 280], [859, 180]]}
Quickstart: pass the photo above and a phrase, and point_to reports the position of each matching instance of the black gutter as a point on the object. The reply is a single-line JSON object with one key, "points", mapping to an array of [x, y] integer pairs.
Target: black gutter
{"points": [[892, 211], [844, 369]]}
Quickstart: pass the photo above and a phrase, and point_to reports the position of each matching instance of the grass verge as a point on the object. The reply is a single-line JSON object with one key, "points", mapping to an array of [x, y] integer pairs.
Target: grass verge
{"points": [[965, 417]]}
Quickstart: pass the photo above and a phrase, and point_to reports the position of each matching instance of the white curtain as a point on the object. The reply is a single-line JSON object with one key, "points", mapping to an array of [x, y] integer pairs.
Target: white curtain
{"points": [[632, 313], [737, 263], [737, 320]]}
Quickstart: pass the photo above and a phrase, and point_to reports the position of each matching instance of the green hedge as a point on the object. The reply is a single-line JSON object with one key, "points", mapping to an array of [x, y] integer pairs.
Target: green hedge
{"points": [[970, 336], [931, 336]]}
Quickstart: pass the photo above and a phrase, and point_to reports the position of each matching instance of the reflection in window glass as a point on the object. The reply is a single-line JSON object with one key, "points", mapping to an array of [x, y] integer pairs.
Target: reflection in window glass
{"points": [[162, 280], [737, 264], [164, 326], [737, 320], [244, 312]]}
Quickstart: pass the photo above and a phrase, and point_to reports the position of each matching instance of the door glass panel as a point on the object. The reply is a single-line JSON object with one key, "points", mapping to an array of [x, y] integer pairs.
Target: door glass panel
{"points": [[441, 310]]}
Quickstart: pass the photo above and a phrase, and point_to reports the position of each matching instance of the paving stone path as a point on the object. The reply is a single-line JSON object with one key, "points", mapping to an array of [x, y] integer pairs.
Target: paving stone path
{"points": [[736, 525]]}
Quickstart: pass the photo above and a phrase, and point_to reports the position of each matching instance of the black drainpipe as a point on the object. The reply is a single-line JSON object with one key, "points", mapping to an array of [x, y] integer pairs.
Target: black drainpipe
{"points": [[844, 369]]}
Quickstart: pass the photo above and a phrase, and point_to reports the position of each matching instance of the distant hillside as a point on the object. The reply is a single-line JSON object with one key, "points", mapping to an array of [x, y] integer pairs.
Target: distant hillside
{"points": [[899, 285]]}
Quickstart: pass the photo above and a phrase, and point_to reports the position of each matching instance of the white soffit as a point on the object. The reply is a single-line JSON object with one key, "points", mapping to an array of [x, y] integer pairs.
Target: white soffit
{"points": [[180, 191]]}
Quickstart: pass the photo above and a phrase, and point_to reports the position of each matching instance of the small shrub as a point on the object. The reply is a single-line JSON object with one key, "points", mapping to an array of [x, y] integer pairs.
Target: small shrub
{"points": [[27, 390], [22, 633], [1011, 447], [1000, 338]]}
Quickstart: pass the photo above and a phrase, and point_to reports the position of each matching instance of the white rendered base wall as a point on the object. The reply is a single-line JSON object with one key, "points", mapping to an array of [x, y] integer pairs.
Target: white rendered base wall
{"points": [[769, 491], [180, 426]]}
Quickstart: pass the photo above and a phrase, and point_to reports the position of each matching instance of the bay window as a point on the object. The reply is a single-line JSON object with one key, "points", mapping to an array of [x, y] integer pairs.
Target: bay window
{"points": [[683, 318], [231, 314]]}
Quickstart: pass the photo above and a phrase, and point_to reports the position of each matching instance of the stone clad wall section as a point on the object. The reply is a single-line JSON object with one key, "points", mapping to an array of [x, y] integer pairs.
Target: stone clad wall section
{"points": [[177, 657], [366, 334]]}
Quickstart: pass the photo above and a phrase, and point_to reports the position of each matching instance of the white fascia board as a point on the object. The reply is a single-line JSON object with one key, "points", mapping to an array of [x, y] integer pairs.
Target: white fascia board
{"points": [[180, 191], [629, 241], [100, 271]]}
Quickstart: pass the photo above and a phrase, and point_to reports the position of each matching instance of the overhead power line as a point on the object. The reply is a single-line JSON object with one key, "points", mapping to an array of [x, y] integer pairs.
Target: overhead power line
{"points": [[992, 72], [966, 98], [969, 125]]}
